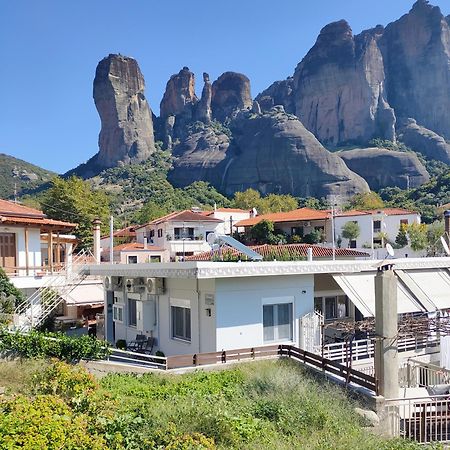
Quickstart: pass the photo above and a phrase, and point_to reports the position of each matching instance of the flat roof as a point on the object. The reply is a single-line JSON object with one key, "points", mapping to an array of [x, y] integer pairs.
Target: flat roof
{"points": [[205, 270]]}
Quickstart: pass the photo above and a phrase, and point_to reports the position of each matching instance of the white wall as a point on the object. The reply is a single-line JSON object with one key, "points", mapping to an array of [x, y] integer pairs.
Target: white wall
{"points": [[224, 228], [239, 307]]}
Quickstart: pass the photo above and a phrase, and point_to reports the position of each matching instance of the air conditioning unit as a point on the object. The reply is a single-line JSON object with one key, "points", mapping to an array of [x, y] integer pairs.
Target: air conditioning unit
{"points": [[107, 284], [116, 283], [129, 285], [140, 285], [155, 286]]}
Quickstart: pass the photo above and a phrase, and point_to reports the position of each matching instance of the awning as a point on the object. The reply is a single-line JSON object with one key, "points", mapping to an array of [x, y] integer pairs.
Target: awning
{"points": [[430, 287], [360, 289], [85, 294]]}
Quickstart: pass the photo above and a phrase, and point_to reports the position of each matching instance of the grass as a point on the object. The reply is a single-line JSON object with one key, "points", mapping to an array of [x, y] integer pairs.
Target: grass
{"points": [[264, 405], [16, 376]]}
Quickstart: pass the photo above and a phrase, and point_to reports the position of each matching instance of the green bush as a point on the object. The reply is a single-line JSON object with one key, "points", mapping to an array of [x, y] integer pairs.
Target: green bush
{"points": [[57, 345], [121, 344]]}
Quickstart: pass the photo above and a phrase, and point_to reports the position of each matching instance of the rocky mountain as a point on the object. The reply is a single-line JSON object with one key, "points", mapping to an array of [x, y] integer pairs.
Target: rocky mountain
{"points": [[387, 83], [270, 152], [16, 174], [393, 168]]}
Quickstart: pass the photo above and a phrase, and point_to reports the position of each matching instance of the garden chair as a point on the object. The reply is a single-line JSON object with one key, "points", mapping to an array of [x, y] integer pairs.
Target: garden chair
{"points": [[147, 347], [136, 345]]}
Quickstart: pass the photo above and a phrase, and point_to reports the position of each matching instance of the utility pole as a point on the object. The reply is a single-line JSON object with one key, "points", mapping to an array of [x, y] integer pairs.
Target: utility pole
{"points": [[111, 240]]}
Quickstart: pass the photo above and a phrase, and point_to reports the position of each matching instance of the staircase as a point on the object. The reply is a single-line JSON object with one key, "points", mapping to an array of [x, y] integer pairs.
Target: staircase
{"points": [[36, 308]]}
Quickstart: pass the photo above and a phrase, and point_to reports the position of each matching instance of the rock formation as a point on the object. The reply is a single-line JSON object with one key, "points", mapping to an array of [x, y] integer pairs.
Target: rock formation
{"points": [[230, 93], [271, 152], [278, 93], [416, 50], [386, 168], [339, 87], [425, 141], [126, 135], [179, 97], [203, 110]]}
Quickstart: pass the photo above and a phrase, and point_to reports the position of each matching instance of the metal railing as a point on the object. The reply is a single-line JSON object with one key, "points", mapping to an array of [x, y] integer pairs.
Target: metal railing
{"points": [[423, 419], [138, 359], [37, 307], [419, 374], [365, 348]]}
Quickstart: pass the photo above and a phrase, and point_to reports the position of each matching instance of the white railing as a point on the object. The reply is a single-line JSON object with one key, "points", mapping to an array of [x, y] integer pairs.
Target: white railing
{"points": [[138, 359], [37, 307], [365, 348], [419, 374], [423, 419]]}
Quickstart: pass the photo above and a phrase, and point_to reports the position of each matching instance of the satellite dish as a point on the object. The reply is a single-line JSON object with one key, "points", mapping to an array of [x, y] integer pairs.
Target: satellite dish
{"points": [[211, 238], [390, 250], [445, 245]]}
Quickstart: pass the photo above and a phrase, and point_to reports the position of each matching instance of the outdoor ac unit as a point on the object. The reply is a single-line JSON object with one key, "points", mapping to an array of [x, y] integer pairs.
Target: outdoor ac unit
{"points": [[140, 285], [155, 286], [129, 285], [116, 283], [107, 283]]}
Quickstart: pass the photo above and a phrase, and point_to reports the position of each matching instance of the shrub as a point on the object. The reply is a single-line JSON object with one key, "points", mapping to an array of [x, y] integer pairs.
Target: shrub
{"points": [[121, 344], [58, 345]]}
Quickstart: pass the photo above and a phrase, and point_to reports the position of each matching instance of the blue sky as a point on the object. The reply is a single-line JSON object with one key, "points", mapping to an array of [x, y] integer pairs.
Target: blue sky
{"points": [[50, 49]]}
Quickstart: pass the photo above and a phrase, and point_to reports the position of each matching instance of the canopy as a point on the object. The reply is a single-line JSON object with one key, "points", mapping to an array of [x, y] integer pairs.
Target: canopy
{"points": [[360, 289]]}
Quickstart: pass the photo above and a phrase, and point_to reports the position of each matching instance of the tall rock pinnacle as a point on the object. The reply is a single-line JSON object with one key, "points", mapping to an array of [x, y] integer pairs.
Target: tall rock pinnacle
{"points": [[127, 128]]}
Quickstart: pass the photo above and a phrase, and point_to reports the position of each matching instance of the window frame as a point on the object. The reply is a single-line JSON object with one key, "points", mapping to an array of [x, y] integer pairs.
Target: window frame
{"points": [[117, 307], [323, 308], [276, 324], [186, 325], [130, 310], [135, 259]]}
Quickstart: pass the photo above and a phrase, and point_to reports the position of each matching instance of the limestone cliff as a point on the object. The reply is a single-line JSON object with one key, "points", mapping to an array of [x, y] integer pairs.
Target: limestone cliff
{"points": [[126, 135], [270, 152], [386, 168]]}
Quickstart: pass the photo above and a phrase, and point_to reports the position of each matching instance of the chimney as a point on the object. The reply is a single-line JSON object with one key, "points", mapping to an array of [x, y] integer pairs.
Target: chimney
{"points": [[447, 225], [97, 249]]}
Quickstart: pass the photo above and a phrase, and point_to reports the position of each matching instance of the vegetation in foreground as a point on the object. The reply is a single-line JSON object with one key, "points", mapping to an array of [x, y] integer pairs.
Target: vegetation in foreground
{"points": [[264, 405]]}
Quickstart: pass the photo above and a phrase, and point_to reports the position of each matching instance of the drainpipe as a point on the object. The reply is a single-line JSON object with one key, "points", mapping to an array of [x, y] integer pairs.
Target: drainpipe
{"points": [[97, 249], [447, 226]]}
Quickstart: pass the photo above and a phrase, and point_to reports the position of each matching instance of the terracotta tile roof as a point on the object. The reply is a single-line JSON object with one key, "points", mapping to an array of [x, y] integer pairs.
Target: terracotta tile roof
{"points": [[387, 211], [13, 209], [290, 216], [294, 250], [182, 216], [124, 232], [44, 222], [136, 246]]}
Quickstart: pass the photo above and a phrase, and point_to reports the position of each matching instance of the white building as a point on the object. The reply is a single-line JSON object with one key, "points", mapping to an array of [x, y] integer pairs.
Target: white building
{"points": [[376, 227], [180, 234], [197, 307], [230, 217]]}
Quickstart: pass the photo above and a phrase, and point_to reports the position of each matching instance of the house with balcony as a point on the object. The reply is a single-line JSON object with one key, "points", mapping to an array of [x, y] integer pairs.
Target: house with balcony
{"points": [[377, 227], [299, 222], [31, 244], [178, 234]]}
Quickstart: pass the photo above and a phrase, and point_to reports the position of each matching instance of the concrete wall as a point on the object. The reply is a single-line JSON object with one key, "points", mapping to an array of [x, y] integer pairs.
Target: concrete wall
{"points": [[240, 306]]}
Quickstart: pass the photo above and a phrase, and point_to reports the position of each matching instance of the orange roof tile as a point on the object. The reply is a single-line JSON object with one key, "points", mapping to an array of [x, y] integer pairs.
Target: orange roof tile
{"points": [[182, 216], [41, 222], [294, 250], [8, 208], [290, 216], [124, 232], [136, 246]]}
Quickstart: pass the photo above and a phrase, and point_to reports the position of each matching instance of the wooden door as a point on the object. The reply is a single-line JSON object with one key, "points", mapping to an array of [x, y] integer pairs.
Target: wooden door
{"points": [[8, 252]]}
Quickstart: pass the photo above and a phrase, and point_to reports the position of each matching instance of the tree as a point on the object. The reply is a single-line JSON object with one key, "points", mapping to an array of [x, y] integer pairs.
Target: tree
{"points": [[402, 237], [350, 231], [263, 232], [417, 233], [150, 211], [247, 200], [434, 233], [366, 200], [278, 203], [74, 200]]}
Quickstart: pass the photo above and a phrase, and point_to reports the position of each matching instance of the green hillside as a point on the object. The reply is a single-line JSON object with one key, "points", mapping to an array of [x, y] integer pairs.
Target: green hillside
{"points": [[19, 173]]}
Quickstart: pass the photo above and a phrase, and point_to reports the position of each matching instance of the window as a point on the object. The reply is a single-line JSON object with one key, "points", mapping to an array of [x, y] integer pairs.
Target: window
{"points": [[403, 222], [277, 322], [184, 233], [181, 323], [118, 313], [155, 258], [297, 231], [335, 307], [132, 259], [352, 243], [132, 316], [160, 232], [377, 226]]}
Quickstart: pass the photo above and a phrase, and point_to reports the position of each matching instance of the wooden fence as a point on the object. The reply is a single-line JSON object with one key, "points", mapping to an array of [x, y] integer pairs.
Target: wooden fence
{"points": [[346, 374]]}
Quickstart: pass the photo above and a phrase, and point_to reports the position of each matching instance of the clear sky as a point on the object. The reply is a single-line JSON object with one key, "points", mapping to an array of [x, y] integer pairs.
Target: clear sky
{"points": [[50, 48]]}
